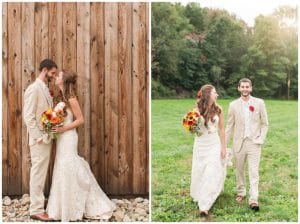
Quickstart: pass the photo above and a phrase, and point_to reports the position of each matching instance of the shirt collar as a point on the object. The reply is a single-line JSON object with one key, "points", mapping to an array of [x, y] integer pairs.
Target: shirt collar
{"points": [[44, 85], [249, 101]]}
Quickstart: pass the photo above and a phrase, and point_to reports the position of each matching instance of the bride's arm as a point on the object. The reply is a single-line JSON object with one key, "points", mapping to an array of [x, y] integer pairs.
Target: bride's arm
{"points": [[79, 120], [222, 135]]}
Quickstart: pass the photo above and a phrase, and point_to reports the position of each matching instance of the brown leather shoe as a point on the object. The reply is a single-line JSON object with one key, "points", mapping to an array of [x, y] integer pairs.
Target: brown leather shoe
{"points": [[254, 206], [42, 217]]}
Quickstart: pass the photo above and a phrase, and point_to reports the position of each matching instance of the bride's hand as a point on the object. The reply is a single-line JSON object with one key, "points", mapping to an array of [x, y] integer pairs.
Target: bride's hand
{"points": [[223, 153], [59, 129]]}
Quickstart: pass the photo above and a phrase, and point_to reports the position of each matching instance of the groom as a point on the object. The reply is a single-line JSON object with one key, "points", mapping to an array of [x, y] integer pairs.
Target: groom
{"points": [[37, 99], [247, 119]]}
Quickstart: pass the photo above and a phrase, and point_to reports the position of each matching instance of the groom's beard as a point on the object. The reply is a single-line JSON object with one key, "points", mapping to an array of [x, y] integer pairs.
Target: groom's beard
{"points": [[245, 94], [48, 78]]}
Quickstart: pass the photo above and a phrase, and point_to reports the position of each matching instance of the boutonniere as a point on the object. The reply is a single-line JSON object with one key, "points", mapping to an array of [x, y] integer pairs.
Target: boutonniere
{"points": [[251, 108]]}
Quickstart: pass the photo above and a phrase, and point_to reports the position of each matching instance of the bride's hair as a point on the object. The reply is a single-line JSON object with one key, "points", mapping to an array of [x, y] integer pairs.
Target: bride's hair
{"points": [[206, 111], [69, 87], [69, 84]]}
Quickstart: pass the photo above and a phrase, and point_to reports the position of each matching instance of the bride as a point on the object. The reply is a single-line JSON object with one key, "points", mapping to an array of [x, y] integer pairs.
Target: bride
{"points": [[208, 172], [74, 192]]}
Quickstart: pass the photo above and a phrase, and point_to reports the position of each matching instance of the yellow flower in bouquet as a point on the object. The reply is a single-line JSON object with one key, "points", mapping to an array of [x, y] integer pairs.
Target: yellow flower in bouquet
{"points": [[51, 118], [191, 122]]}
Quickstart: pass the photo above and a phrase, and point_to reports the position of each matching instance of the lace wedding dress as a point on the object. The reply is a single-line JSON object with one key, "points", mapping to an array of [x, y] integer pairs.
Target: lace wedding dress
{"points": [[208, 169], [74, 192]]}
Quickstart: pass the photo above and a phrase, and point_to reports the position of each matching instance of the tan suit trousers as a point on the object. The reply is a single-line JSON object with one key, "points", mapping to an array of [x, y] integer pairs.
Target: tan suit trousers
{"points": [[251, 152], [40, 155]]}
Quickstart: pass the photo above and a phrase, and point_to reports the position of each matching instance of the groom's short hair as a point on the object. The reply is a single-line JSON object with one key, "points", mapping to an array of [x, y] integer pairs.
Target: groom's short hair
{"points": [[245, 80], [47, 63]]}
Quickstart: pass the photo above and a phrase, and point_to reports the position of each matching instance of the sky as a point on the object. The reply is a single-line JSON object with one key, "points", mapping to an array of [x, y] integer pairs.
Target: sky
{"points": [[247, 10]]}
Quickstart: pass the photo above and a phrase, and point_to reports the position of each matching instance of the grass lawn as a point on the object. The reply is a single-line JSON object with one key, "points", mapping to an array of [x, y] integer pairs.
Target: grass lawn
{"points": [[172, 161]]}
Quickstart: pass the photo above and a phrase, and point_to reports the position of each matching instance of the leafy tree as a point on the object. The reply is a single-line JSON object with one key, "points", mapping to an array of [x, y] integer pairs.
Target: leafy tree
{"points": [[192, 46]]}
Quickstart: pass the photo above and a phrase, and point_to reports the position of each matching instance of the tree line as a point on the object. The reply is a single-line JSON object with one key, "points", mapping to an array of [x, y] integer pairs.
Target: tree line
{"points": [[194, 45]]}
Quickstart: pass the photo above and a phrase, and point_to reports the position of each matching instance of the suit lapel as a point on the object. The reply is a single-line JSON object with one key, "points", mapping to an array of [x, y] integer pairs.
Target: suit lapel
{"points": [[49, 101], [241, 111], [251, 103]]}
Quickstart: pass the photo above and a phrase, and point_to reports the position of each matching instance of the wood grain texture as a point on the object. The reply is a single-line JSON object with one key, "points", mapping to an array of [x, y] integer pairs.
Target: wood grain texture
{"points": [[97, 93], [84, 77], [147, 86], [125, 98], [139, 97], [41, 32], [56, 33], [14, 99], [69, 36], [4, 100], [111, 96], [106, 44]]}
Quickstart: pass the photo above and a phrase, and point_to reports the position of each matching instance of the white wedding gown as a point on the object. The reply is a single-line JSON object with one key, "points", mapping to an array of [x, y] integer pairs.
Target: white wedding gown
{"points": [[208, 169], [74, 192]]}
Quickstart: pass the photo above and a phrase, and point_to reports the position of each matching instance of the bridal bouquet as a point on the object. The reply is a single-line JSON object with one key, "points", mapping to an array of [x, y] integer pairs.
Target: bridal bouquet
{"points": [[191, 122], [53, 117]]}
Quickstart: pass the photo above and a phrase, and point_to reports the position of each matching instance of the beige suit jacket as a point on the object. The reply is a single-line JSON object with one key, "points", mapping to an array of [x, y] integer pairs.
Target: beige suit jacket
{"points": [[236, 122], [36, 101]]}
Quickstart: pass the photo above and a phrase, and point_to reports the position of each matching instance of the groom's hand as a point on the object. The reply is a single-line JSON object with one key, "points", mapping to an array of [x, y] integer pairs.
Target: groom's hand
{"points": [[39, 141]]}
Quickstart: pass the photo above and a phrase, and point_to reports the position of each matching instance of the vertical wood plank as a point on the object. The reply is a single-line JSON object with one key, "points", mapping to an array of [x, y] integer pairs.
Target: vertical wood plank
{"points": [[139, 99], [107, 45], [55, 33], [84, 78], [111, 96], [41, 33], [125, 89], [97, 93], [69, 36], [4, 101], [27, 73], [147, 107], [14, 99]]}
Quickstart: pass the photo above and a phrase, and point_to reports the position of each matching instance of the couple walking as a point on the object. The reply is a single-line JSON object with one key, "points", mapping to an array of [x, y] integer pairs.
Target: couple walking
{"points": [[74, 192], [247, 120]]}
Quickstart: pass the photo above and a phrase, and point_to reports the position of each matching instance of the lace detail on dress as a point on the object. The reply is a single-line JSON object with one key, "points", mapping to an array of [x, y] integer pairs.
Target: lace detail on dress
{"points": [[208, 173], [74, 190], [212, 126]]}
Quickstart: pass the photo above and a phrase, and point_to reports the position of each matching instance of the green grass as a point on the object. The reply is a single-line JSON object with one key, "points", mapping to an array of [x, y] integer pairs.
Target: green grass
{"points": [[172, 160]]}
